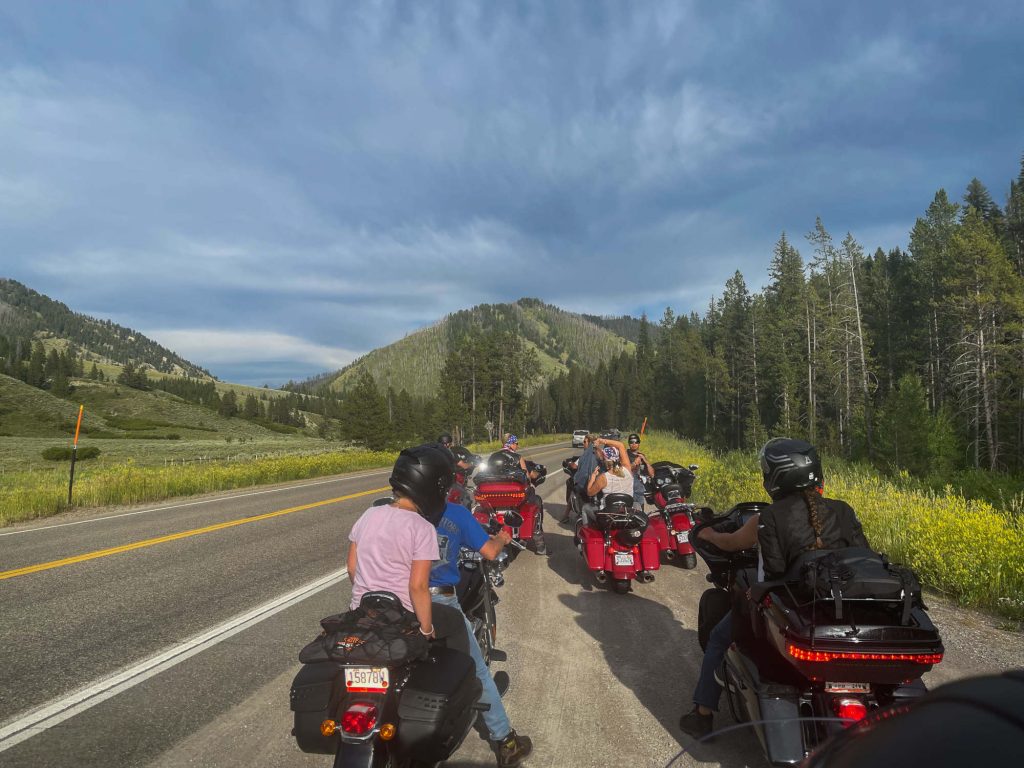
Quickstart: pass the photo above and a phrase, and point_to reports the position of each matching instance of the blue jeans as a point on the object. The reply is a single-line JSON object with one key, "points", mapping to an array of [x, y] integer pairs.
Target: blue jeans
{"points": [[708, 690], [496, 718]]}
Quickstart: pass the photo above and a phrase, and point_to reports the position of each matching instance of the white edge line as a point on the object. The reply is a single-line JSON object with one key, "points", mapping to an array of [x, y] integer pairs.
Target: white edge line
{"points": [[210, 501], [66, 706]]}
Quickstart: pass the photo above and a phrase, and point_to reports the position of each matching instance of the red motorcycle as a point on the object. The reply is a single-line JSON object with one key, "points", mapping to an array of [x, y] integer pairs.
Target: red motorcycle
{"points": [[459, 492], [672, 518], [618, 545], [502, 492]]}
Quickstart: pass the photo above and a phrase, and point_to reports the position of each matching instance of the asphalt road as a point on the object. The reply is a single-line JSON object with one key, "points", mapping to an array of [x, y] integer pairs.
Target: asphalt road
{"points": [[203, 602]]}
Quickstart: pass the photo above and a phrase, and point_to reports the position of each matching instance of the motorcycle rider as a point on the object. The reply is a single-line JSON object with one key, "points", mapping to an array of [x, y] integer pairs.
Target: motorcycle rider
{"points": [[463, 467], [393, 546], [509, 460], [457, 529], [585, 465], [640, 468], [798, 519]]}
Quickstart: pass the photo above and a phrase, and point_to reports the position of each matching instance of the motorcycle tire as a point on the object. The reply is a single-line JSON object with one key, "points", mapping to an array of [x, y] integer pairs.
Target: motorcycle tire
{"points": [[689, 562], [621, 586], [714, 605]]}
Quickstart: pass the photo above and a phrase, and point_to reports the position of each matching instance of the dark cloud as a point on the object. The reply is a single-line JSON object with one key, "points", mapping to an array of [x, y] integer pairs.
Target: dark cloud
{"points": [[330, 176]]}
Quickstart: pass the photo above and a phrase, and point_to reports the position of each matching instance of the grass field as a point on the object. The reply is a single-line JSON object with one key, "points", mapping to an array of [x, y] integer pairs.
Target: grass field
{"points": [[134, 471], [966, 548]]}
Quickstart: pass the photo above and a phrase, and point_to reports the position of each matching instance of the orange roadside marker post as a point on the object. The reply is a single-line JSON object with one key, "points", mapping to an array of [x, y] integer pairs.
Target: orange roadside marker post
{"points": [[74, 453], [643, 427]]}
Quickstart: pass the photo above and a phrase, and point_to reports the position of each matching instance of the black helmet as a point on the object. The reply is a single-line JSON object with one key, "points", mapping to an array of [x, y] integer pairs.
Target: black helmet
{"points": [[445, 439], [424, 475], [789, 465], [501, 462]]}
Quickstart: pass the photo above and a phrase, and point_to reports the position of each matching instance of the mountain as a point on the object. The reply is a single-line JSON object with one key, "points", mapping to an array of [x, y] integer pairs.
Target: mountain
{"points": [[414, 363], [24, 313]]}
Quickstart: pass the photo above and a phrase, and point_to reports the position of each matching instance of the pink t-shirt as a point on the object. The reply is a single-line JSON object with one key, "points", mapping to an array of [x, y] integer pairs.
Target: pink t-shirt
{"points": [[387, 540]]}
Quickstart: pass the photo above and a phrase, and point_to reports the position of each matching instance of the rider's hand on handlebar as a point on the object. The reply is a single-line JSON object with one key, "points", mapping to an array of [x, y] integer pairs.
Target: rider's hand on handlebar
{"points": [[504, 537]]}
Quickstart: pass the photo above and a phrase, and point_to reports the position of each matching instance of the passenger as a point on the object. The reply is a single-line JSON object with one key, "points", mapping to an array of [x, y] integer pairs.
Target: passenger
{"points": [[393, 546], [459, 529], [610, 477], [798, 519]]}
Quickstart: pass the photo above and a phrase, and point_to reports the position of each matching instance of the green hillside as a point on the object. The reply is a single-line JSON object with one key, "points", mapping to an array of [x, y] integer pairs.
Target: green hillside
{"points": [[25, 313], [414, 363]]}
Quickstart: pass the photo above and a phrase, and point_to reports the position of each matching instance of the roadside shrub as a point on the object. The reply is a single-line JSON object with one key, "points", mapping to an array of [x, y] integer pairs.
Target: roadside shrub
{"points": [[57, 453]]}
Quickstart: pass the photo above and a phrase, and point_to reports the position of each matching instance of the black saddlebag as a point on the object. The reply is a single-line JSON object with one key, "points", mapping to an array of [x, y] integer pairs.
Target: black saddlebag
{"points": [[435, 710], [315, 693]]}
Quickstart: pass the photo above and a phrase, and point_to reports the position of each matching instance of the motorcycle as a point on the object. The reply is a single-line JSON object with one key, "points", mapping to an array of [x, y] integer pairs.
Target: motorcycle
{"points": [[673, 518], [803, 666], [498, 494], [478, 579], [459, 492], [402, 713], [617, 545]]}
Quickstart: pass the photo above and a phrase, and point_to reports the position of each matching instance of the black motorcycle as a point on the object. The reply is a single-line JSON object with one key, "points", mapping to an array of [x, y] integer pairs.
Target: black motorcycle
{"points": [[808, 658], [396, 705], [478, 578]]}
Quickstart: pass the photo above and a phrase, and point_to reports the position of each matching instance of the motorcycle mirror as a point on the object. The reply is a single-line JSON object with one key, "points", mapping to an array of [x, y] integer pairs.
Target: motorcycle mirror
{"points": [[382, 501], [694, 467], [513, 520]]}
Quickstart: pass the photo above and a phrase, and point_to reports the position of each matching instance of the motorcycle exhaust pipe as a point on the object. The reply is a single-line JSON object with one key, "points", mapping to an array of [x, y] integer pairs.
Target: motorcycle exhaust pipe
{"points": [[646, 577], [601, 576], [670, 554]]}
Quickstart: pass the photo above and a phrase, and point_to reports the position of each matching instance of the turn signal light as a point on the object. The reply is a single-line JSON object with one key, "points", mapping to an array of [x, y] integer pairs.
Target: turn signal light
{"points": [[359, 719], [387, 731], [849, 710], [328, 727], [805, 654]]}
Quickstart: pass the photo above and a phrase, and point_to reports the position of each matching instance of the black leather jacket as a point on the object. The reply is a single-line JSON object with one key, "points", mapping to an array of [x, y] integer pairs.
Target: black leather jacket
{"points": [[785, 532]]}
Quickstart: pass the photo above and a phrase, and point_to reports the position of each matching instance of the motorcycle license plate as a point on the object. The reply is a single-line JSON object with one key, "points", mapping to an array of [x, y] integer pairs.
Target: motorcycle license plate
{"points": [[366, 679], [623, 558], [847, 687], [682, 536]]}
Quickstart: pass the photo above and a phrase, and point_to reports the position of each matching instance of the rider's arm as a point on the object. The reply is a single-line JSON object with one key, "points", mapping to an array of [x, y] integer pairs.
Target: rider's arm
{"points": [[597, 482], [495, 544], [419, 592], [743, 538], [351, 562]]}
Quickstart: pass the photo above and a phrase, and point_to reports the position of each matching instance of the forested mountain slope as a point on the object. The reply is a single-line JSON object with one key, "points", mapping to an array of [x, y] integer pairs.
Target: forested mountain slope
{"points": [[414, 363], [24, 313]]}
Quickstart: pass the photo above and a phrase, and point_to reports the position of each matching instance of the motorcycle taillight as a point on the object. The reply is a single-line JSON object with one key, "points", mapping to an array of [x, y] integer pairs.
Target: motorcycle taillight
{"points": [[359, 719], [849, 710]]}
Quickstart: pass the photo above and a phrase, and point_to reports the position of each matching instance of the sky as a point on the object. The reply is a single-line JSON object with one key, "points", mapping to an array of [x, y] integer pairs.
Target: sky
{"points": [[271, 189]]}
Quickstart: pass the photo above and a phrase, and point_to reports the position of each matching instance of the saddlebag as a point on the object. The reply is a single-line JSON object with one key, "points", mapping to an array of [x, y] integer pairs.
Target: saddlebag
{"points": [[316, 691], [435, 710]]}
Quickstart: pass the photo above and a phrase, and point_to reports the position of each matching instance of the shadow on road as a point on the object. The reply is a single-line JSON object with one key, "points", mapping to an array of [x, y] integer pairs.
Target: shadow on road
{"points": [[658, 659]]}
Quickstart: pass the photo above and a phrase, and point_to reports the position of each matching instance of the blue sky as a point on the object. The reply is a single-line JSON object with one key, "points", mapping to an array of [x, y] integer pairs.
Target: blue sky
{"points": [[272, 189]]}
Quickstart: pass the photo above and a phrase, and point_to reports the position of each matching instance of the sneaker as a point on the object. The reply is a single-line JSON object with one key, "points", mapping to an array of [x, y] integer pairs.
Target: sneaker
{"points": [[695, 724], [513, 749]]}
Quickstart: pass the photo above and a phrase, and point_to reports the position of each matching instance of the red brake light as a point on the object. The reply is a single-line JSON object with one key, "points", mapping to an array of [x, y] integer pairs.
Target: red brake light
{"points": [[849, 710], [502, 499], [804, 654], [359, 719]]}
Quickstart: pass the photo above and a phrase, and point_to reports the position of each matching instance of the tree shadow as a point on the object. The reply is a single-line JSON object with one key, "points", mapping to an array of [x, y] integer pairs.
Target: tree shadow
{"points": [[650, 652]]}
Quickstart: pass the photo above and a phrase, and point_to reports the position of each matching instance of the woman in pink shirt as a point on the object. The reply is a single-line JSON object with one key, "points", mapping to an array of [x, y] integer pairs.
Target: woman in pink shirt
{"points": [[393, 546]]}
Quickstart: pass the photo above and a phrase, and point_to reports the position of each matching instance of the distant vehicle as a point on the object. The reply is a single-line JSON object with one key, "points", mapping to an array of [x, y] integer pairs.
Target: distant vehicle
{"points": [[611, 434], [577, 438]]}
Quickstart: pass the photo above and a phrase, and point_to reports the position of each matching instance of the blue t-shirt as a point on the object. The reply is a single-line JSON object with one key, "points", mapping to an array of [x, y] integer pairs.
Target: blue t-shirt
{"points": [[457, 529]]}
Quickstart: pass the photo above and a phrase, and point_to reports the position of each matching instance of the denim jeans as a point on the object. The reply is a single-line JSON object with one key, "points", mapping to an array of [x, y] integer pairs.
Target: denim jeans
{"points": [[708, 690], [496, 718]]}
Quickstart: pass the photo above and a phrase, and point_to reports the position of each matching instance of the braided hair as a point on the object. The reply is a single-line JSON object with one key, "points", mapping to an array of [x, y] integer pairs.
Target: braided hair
{"points": [[811, 499]]}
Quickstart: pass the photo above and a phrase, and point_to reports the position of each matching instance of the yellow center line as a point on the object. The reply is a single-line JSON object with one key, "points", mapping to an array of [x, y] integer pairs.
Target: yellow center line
{"points": [[175, 536]]}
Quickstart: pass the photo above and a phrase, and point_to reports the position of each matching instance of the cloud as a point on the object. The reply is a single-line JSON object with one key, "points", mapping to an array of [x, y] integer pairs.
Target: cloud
{"points": [[232, 347]]}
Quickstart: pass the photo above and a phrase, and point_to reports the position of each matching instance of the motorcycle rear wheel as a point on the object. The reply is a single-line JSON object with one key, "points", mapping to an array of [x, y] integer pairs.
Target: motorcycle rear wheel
{"points": [[621, 586], [689, 562]]}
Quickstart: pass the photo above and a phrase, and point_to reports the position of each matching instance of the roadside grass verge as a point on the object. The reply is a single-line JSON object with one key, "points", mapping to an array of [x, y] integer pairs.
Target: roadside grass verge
{"points": [[965, 548]]}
